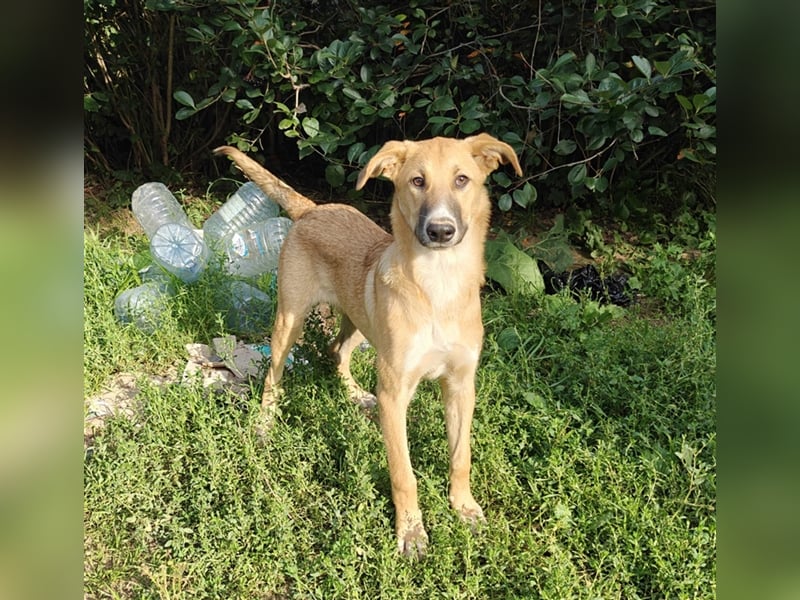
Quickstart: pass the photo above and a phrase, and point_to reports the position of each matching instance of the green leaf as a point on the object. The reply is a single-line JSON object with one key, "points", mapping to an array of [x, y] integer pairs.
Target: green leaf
{"points": [[700, 101], [334, 175], [564, 59], [653, 130], [662, 66], [596, 184], [596, 142], [590, 64], [632, 120], [283, 108], [90, 104], [578, 97], [244, 103], [184, 98], [684, 102], [504, 202], [184, 113], [577, 174], [355, 151], [352, 94], [525, 196], [509, 339], [510, 267], [643, 65], [620, 10], [311, 126], [565, 147], [469, 126], [442, 104], [501, 179], [251, 116]]}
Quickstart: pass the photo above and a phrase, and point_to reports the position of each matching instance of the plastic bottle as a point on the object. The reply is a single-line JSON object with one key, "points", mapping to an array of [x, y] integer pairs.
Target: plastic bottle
{"points": [[254, 250], [144, 306], [159, 276], [180, 251], [154, 205], [174, 243], [244, 207], [248, 309]]}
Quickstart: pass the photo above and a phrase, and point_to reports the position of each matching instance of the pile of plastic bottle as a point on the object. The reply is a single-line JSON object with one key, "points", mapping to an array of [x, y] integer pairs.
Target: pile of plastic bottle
{"points": [[246, 231]]}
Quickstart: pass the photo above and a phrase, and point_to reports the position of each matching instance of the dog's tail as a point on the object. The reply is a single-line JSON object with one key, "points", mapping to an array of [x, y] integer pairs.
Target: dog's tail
{"points": [[292, 201]]}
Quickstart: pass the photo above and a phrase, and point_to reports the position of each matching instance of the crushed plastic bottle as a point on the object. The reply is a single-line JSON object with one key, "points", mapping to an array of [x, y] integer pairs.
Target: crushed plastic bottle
{"points": [[248, 310], [144, 306], [246, 206], [159, 276], [154, 205], [254, 250]]}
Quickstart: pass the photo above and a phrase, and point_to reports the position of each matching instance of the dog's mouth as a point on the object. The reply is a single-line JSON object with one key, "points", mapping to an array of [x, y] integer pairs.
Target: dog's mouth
{"points": [[439, 228]]}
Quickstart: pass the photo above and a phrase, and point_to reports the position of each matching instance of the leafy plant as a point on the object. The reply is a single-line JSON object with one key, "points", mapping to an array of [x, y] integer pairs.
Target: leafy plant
{"points": [[602, 102], [594, 452]]}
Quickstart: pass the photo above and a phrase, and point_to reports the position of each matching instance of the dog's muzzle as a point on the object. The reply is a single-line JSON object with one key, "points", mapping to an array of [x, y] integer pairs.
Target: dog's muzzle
{"points": [[440, 226]]}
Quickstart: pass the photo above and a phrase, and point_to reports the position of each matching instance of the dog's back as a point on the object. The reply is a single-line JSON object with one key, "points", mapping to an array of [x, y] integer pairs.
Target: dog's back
{"points": [[332, 269], [320, 268]]}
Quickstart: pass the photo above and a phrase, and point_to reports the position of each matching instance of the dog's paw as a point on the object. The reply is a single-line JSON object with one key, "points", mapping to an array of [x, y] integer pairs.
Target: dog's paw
{"points": [[365, 400], [412, 541], [265, 421], [470, 513], [473, 518], [267, 415], [361, 397]]}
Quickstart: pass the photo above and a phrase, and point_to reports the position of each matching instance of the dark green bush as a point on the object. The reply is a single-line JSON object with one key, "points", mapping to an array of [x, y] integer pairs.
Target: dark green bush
{"points": [[609, 104]]}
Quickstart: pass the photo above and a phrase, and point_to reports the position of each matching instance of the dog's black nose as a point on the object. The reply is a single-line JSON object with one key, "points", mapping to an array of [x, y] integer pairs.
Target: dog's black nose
{"points": [[440, 232]]}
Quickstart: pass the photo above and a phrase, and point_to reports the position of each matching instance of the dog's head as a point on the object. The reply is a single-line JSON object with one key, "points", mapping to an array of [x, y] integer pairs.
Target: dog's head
{"points": [[439, 183]]}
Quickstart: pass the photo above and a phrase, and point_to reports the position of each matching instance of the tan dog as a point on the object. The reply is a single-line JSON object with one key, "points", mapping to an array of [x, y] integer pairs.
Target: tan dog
{"points": [[415, 296]]}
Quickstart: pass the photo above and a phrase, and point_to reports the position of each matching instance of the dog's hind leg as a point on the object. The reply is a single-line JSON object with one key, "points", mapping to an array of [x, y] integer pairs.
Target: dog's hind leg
{"points": [[288, 327], [342, 349]]}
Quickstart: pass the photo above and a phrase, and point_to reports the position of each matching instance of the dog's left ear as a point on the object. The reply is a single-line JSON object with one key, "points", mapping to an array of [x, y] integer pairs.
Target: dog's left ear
{"points": [[489, 152], [386, 162]]}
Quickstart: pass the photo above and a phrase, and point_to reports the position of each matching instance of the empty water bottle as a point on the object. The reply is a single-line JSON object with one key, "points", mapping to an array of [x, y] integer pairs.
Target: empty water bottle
{"points": [[159, 276], [246, 206], [248, 309], [180, 251], [254, 250], [154, 205], [174, 243], [144, 306]]}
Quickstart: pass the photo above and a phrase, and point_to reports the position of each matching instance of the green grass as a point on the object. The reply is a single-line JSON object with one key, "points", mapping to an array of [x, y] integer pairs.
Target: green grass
{"points": [[593, 445]]}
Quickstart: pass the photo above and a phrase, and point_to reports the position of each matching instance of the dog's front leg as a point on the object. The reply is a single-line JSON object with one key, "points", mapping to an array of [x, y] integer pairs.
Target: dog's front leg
{"points": [[458, 391], [394, 397]]}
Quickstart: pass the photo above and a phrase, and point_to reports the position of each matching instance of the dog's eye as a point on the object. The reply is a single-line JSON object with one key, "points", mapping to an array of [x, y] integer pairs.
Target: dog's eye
{"points": [[461, 181], [418, 182]]}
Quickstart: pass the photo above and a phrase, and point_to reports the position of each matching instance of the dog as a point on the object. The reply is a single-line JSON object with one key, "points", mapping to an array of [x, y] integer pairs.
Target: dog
{"points": [[414, 295]]}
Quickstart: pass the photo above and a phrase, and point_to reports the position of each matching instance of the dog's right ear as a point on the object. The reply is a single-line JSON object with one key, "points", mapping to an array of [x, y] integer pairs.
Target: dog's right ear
{"points": [[386, 162]]}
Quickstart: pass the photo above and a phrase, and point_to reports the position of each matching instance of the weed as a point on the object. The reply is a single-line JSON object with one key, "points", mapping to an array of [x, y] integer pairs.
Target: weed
{"points": [[593, 443]]}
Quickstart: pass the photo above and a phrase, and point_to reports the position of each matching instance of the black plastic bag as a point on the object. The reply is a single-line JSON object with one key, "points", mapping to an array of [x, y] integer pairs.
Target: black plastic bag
{"points": [[587, 281]]}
